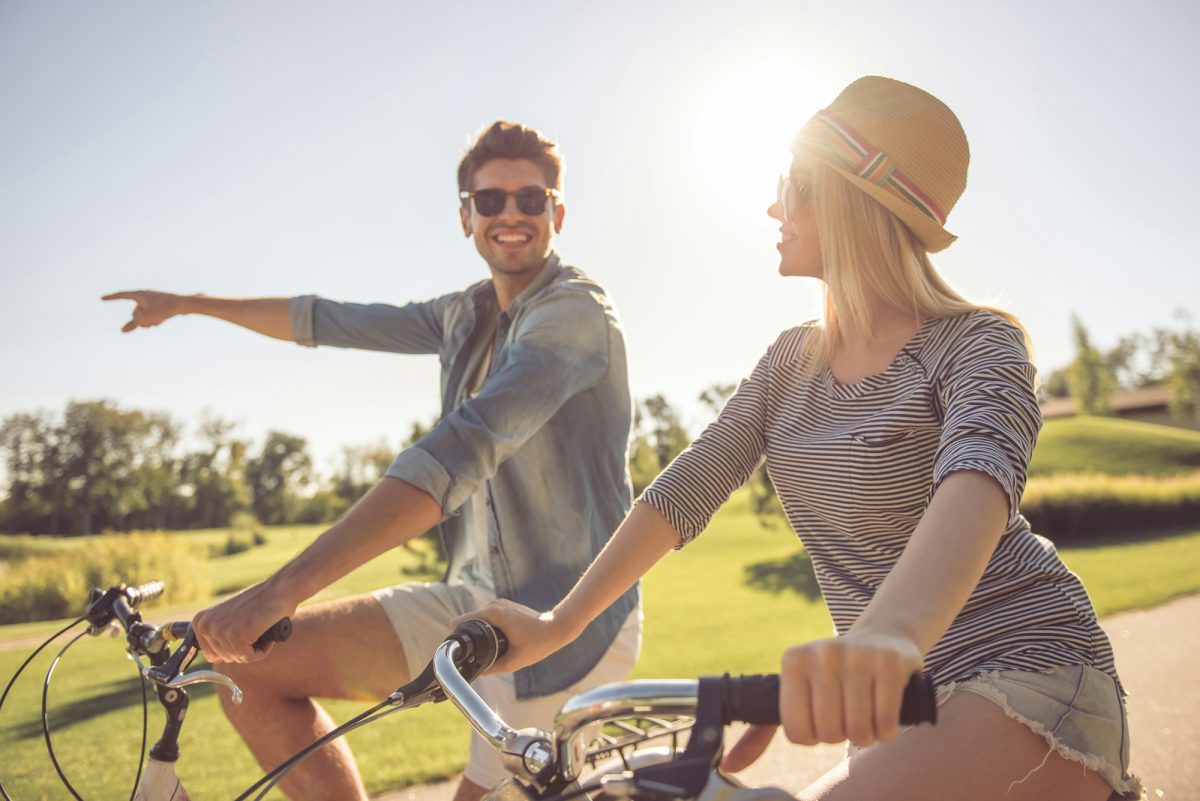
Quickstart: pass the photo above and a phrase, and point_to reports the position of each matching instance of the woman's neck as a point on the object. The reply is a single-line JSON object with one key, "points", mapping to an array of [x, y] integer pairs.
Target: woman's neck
{"points": [[861, 354]]}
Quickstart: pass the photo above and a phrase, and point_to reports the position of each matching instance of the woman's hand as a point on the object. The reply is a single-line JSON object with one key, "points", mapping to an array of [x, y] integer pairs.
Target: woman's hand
{"points": [[531, 636], [846, 688]]}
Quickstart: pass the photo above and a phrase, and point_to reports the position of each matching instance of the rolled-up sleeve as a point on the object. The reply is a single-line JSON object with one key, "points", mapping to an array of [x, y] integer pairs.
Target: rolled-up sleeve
{"points": [[991, 417], [692, 488], [560, 348], [413, 328]]}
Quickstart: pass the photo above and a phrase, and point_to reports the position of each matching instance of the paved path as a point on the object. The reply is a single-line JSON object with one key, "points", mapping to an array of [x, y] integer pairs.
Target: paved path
{"points": [[1158, 654]]}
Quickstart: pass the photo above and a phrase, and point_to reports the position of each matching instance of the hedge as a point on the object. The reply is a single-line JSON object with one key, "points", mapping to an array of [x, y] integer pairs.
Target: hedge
{"points": [[48, 586], [1080, 507]]}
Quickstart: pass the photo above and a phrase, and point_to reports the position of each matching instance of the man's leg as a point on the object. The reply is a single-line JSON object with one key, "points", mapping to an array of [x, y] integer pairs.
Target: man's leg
{"points": [[469, 791], [340, 649]]}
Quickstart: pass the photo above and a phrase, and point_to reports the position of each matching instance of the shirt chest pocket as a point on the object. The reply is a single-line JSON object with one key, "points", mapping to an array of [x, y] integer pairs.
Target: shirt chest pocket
{"points": [[884, 437], [892, 463]]}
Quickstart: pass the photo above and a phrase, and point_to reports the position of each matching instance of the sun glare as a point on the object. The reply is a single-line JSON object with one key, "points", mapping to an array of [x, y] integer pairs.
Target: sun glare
{"points": [[743, 130]]}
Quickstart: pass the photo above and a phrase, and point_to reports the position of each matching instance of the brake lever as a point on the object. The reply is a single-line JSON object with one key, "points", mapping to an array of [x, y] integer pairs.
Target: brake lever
{"points": [[171, 669], [201, 677]]}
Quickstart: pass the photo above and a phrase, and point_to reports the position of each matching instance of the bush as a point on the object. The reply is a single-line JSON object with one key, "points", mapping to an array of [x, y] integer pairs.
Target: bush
{"points": [[236, 542], [1080, 507], [246, 533], [16, 547], [48, 586]]}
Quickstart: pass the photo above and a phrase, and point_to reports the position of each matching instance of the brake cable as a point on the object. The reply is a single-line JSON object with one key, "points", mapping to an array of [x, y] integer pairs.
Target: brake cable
{"points": [[424, 688], [21, 670], [271, 779], [46, 724]]}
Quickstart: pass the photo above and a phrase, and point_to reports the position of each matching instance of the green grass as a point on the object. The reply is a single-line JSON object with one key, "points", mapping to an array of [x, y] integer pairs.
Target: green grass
{"points": [[1113, 446], [747, 581], [1135, 575]]}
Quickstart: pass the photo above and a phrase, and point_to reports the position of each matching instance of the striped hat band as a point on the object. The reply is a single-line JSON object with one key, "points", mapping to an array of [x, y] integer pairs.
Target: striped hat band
{"points": [[861, 158]]}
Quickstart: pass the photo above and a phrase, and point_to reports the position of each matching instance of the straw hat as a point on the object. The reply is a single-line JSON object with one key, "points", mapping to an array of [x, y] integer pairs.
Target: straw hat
{"points": [[900, 145]]}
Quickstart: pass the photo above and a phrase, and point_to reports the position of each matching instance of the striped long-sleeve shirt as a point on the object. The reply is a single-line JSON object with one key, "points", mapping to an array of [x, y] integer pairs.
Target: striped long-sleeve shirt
{"points": [[855, 466]]}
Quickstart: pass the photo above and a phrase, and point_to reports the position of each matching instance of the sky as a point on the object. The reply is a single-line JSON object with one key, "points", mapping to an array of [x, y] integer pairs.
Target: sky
{"points": [[281, 148]]}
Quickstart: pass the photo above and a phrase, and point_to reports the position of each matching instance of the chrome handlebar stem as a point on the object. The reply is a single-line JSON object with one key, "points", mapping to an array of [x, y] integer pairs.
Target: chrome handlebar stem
{"points": [[527, 753]]}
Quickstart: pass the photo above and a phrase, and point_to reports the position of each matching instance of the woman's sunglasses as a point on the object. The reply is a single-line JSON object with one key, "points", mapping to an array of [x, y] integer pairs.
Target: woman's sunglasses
{"points": [[531, 200], [791, 195]]}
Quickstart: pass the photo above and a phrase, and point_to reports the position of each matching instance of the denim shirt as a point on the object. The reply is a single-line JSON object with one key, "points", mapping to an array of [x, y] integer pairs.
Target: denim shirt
{"points": [[545, 439]]}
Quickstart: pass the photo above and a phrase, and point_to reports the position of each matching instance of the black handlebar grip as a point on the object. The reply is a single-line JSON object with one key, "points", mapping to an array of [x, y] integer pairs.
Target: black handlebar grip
{"points": [[755, 700], [919, 704], [176, 630], [277, 633], [750, 699], [483, 642], [144, 592]]}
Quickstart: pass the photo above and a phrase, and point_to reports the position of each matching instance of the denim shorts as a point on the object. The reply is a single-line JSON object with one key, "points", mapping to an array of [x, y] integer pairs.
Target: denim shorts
{"points": [[1077, 709]]}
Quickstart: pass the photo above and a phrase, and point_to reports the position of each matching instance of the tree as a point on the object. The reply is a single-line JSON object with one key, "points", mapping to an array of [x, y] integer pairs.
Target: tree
{"points": [[658, 437], [1056, 385], [157, 472], [102, 444], [36, 474], [212, 484], [1090, 378], [276, 477], [1178, 355]]}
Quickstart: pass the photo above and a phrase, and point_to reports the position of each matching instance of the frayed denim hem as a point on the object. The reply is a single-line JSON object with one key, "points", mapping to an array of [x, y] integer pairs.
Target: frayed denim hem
{"points": [[1125, 786]]}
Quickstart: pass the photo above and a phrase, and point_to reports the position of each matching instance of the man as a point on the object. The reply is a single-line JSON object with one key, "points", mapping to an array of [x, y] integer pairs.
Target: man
{"points": [[526, 474]]}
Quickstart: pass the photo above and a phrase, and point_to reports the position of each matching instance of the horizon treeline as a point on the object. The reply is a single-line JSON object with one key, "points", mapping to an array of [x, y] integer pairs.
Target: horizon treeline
{"points": [[100, 467]]}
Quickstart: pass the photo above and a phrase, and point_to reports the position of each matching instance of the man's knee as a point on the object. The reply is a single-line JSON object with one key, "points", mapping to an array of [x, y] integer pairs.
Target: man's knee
{"points": [[253, 679]]}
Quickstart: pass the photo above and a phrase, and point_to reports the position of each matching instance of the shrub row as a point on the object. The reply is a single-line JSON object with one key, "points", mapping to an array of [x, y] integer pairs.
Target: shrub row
{"points": [[47, 586], [1081, 507]]}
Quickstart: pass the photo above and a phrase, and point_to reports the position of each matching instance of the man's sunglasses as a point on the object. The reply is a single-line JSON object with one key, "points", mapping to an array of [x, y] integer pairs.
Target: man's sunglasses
{"points": [[791, 195], [531, 200]]}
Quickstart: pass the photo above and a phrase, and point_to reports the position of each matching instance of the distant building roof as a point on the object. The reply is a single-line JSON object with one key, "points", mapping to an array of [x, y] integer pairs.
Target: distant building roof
{"points": [[1125, 402]]}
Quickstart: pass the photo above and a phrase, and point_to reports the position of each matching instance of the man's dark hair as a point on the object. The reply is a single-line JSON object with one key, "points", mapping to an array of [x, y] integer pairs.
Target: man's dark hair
{"points": [[510, 140]]}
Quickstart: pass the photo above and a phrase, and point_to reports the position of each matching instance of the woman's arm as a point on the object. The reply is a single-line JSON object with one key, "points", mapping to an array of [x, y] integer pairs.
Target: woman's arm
{"points": [[850, 687], [642, 539]]}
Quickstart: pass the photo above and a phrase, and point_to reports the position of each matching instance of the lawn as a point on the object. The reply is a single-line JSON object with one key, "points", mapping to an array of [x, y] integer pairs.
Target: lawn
{"points": [[766, 596], [1113, 446]]}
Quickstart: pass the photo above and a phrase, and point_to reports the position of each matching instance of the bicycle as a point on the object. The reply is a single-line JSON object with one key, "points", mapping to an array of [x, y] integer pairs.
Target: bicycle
{"points": [[155, 781], [645, 740]]}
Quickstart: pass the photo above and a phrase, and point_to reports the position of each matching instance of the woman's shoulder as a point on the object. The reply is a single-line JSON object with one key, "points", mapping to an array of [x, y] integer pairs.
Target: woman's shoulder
{"points": [[793, 345], [976, 322], [979, 330]]}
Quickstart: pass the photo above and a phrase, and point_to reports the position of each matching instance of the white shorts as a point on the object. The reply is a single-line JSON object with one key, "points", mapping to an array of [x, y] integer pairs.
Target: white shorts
{"points": [[420, 615]]}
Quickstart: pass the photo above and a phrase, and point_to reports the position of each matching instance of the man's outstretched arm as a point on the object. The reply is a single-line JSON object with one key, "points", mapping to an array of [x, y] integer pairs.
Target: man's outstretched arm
{"points": [[265, 315], [390, 514]]}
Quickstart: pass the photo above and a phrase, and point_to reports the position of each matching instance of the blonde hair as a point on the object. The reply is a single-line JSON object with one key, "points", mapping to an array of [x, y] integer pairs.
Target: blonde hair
{"points": [[868, 255]]}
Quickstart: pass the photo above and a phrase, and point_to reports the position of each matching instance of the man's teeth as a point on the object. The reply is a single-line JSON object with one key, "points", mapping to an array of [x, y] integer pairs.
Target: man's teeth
{"points": [[510, 238]]}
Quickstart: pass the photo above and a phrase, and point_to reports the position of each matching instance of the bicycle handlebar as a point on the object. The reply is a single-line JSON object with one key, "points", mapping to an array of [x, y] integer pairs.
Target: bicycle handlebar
{"points": [[755, 700], [537, 755], [119, 602]]}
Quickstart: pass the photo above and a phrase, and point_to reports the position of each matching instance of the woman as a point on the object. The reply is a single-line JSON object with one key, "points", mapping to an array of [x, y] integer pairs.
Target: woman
{"points": [[897, 431]]}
